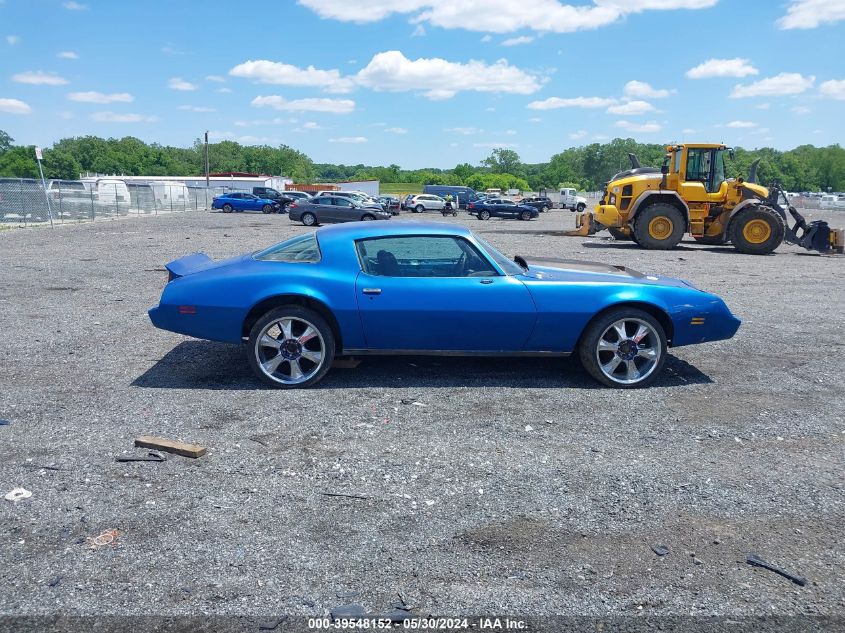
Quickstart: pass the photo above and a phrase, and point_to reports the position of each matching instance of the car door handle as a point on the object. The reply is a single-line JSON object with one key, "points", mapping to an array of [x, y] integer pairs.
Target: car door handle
{"points": [[372, 291], [486, 281]]}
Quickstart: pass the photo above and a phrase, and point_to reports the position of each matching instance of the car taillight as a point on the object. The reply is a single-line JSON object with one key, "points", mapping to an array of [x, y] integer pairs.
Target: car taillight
{"points": [[292, 205], [470, 205]]}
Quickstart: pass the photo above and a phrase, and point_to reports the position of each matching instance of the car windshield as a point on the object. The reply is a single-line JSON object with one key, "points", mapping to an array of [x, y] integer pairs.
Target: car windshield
{"points": [[303, 248], [508, 266]]}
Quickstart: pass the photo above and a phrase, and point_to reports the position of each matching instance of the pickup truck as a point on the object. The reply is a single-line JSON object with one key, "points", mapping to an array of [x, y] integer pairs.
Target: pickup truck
{"points": [[274, 195], [569, 199]]}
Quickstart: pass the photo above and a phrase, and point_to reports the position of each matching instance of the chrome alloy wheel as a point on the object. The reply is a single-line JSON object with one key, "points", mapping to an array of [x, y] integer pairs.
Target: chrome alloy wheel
{"points": [[628, 351], [290, 350]]}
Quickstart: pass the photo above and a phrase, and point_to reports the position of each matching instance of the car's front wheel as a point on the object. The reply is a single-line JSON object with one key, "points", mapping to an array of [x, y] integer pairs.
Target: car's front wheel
{"points": [[525, 215], [309, 219], [624, 348], [368, 217], [267, 209], [291, 346]]}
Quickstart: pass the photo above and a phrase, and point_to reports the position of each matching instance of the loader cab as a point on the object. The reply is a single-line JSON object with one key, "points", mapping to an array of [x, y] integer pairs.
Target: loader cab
{"points": [[698, 172]]}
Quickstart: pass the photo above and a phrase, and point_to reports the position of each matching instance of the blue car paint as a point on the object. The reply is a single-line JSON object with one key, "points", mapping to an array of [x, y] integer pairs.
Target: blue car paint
{"points": [[242, 204], [542, 310]]}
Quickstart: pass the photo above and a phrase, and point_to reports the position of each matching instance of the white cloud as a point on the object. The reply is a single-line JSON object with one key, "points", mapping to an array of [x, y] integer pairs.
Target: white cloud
{"points": [[170, 49], [535, 119], [273, 121], [11, 40], [463, 130], [735, 67], [741, 124], [782, 84], [834, 88], [651, 126], [67, 55], [192, 108], [223, 90], [499, 16], [349, 139], [801, 110], [396, 130], [763, 106], [216, 78], [631, 108], [494, 145], [74, 6], [510, 132], [14, 106], [115, 117], [808, 14], [39, 77], [575, 136], [177, 83], [311, 125], [571, 102], [419, 31], [277, 73], [689, 130], [516, 41], [334, 106], [67, 115], [487, 38], [642, 90], [392, 71], [100, 97]]}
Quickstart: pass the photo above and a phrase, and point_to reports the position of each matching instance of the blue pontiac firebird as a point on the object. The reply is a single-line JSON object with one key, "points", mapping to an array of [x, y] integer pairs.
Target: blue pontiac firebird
{"points": [[420, 288]]}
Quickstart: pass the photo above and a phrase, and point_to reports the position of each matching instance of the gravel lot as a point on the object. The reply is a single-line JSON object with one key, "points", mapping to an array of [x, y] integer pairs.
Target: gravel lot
{"points": [[492, 485]]}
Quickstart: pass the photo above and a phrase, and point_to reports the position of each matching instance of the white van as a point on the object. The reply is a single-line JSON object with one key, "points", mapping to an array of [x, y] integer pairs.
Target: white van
{"points": [[170, 194], [569, 199], [108, 190]]}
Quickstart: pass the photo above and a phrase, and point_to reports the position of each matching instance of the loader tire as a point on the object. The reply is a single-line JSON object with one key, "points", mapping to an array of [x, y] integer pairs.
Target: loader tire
{"points": [[659, 226], [757, 230], [619, 235]]}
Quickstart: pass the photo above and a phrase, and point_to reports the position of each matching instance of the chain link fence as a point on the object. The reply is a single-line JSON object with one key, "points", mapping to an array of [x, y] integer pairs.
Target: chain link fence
{"points": [[24, 200]]}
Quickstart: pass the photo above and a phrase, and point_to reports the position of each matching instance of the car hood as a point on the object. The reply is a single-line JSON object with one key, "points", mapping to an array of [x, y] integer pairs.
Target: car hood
{"points": [[573, 270]]}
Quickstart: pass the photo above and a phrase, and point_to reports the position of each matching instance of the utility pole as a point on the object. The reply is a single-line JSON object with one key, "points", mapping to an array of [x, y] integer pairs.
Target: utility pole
{"points": [[39, 157], [206, 160]]}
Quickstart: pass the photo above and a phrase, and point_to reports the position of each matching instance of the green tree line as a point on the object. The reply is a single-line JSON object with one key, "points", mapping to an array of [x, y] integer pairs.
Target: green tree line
{"points": [[588, 167]]}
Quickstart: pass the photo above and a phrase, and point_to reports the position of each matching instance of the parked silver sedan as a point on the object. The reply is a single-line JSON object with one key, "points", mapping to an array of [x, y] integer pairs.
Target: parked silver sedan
{"points": [[329, 209]]}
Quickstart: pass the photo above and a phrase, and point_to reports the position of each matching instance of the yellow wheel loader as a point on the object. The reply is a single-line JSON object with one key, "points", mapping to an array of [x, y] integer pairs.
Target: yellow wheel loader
{"points": [[655, 207]]}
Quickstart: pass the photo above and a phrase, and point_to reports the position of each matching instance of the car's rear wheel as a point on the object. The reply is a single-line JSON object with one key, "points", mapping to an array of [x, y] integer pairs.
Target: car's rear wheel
{"points": [[544, 208], [419, 208], [525, 215], [290, 347], [581, 206], [267, 209], [227, 208], [309, 219], [484, 214], [624, 348], [368, 217]]}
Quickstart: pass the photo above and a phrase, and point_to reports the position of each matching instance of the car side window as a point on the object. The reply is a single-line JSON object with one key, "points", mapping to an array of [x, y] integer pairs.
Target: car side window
{"points": [[323, 201], [422, 256]]}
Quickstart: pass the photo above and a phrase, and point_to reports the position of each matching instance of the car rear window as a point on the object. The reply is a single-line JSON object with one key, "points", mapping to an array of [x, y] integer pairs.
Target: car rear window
{"points": [[303, 249]]}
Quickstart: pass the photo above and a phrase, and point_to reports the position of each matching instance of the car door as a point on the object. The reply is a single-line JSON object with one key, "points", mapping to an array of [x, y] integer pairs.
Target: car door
{"points": [[344, 210], [324, 209], [439, 293], [507, 208]]}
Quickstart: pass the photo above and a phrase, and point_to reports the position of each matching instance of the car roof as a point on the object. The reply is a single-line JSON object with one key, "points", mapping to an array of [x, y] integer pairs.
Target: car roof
{"points": [[359, 230]]}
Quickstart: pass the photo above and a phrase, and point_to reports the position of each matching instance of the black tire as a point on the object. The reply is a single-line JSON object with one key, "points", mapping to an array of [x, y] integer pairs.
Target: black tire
{"points": [[672, 220], [227, 208], [742, 234], [619, 235], [544, 208], [297, 313], [525, 215], [308, 219], [580, 208], [484, 214], [367, 217], [591, 358], [267, 209], [419, 208]]}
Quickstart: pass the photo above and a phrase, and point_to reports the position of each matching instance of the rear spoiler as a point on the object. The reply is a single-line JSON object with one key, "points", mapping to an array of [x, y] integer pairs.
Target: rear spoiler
{"points": [[188, 265]]}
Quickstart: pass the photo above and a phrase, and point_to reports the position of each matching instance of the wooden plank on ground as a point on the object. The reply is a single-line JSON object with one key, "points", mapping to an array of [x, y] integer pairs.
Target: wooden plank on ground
{"points": [[170, 446]]}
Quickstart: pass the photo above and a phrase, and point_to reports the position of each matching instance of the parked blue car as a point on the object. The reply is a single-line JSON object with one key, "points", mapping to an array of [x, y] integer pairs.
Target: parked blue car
{"points": [[501, 208], [237, 201], [431, 288]]}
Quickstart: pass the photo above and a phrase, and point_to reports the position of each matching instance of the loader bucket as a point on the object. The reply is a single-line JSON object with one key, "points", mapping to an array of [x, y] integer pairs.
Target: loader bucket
{"points": [[584, 225]]}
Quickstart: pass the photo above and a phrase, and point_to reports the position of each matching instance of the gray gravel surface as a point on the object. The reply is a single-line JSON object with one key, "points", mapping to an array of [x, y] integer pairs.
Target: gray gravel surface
{"points": [[507, 486]]}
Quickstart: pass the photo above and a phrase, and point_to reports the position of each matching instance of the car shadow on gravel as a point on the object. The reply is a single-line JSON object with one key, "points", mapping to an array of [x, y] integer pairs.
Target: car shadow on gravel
{"points": [[218, 366]]}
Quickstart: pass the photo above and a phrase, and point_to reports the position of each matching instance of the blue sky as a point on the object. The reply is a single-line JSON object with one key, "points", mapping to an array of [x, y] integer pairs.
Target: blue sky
{"points": [[425, 82]]}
